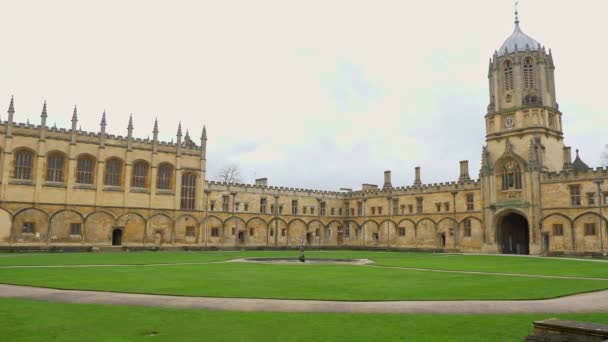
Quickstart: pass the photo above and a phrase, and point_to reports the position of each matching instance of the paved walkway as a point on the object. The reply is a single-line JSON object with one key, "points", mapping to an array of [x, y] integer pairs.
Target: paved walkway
{"points": [[588, 302]]}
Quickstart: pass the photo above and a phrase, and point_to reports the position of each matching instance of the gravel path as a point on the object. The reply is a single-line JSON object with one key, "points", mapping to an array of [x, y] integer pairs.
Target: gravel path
{"points": [[587, 302]]}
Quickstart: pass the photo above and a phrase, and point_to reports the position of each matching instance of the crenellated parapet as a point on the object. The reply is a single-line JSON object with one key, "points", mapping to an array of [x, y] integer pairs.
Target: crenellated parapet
{"points": [[573, 175], [272, 190]]}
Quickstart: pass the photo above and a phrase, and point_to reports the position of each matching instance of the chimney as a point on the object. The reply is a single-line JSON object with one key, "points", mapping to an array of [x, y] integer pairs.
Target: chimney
{"points": [[567, 158], [464, 171], [387, 180], [417, 182], [369, 187], [261, 181]]}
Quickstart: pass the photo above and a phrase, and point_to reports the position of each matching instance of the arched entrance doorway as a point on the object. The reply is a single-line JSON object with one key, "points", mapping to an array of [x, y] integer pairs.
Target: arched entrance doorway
{"points": [[116, 237], [513, 234]]}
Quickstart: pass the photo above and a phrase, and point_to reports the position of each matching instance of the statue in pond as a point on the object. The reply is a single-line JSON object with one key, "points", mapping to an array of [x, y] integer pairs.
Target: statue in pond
{"points": [[301, 256]]}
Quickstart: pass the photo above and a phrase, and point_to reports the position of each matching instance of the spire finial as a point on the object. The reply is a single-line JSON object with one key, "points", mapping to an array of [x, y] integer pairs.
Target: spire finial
{"points": [[516, 12], [179, 129], [103, 118], [43, 115], [577, 153], [204, 135], [75, 115], [155, 126], [130, 127], [11, 106]]}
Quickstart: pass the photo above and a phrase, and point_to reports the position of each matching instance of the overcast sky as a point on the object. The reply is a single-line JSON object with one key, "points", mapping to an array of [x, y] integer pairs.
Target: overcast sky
{"points": [[316, 94]]}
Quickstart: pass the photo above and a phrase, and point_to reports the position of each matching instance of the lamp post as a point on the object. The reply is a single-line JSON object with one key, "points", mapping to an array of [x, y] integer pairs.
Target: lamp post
{"points": [[599, 208], [207, 192], [236, 223]]}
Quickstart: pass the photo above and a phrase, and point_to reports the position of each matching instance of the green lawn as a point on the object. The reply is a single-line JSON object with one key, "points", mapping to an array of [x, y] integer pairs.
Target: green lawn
{"points": [[486, 263], [24, 320], [337, 282]]}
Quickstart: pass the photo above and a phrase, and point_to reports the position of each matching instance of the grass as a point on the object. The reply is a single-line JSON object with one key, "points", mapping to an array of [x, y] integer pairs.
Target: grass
{"points": [[325, 282], [25, 320], [483, 263]]}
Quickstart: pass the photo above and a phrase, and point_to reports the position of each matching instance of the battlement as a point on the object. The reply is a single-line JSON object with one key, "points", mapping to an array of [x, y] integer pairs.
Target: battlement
{"points": [[572, 175], [417, 190], [404, 190], [273, 190]]}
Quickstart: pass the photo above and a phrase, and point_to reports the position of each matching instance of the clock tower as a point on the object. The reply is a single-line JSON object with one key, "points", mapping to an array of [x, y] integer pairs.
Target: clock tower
{"points": [[524, 139], [523, 110]]}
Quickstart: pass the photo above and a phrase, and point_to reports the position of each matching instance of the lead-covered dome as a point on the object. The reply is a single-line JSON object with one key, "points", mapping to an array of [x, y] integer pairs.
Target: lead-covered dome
{"points": [[520, 40]]}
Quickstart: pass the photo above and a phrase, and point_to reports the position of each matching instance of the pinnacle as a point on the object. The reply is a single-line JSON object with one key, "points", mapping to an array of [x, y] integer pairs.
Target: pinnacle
{"points": [[43, 115], [75, 115], [11, 107]]}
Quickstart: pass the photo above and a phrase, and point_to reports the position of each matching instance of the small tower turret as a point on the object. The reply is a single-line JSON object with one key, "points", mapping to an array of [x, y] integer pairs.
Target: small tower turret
{"points": [[130, 133], [43, 117], [74, 124], [204, 143], [155, 136], [9, 122], [179, 138], [102, 133]]}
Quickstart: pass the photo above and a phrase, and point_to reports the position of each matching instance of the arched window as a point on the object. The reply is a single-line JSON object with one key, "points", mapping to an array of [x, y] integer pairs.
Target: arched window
{"points": [[85, 170], [508, 69], [23, 165], [164, 177], [188, 195], [511, 176], [139, 177], [54, 167], [528, 73], [113, 172]]}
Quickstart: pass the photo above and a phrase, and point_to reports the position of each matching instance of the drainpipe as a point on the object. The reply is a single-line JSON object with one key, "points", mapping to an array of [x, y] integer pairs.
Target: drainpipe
{"points": [[364, 215], [456, 236], [207, 192], [599, 208], [276, 220], [388, 223]]}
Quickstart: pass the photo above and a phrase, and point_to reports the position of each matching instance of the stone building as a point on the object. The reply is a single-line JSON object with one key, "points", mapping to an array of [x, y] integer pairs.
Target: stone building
{"points": [[68, 188]]}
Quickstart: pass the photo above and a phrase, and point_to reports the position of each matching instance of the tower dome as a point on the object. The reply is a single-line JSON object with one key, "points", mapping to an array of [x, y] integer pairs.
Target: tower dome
{"points": [[518, 41]]}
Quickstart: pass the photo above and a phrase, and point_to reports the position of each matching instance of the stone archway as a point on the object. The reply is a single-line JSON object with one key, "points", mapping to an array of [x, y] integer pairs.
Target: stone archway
{"points": [[513, 234]]}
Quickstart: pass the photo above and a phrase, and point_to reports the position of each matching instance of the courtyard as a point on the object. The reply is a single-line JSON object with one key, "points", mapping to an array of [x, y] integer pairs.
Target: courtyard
{"points": [[182, 295]]}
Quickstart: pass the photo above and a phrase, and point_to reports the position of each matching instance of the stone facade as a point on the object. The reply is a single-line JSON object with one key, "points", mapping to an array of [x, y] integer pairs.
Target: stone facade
{"points": [[66, 187]]}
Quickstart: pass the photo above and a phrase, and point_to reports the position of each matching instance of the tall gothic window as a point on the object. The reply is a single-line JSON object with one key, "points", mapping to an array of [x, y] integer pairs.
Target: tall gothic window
{"points": [[511, 176], [188, 195], [113, 172], [54, 167], [23, 165], [508, 68], [528, 73], [84, 170], [163, 179], [139, 177]]}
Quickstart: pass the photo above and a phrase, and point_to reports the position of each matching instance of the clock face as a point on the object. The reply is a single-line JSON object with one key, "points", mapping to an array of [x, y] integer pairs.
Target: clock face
{"points": [[509, 122]]}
